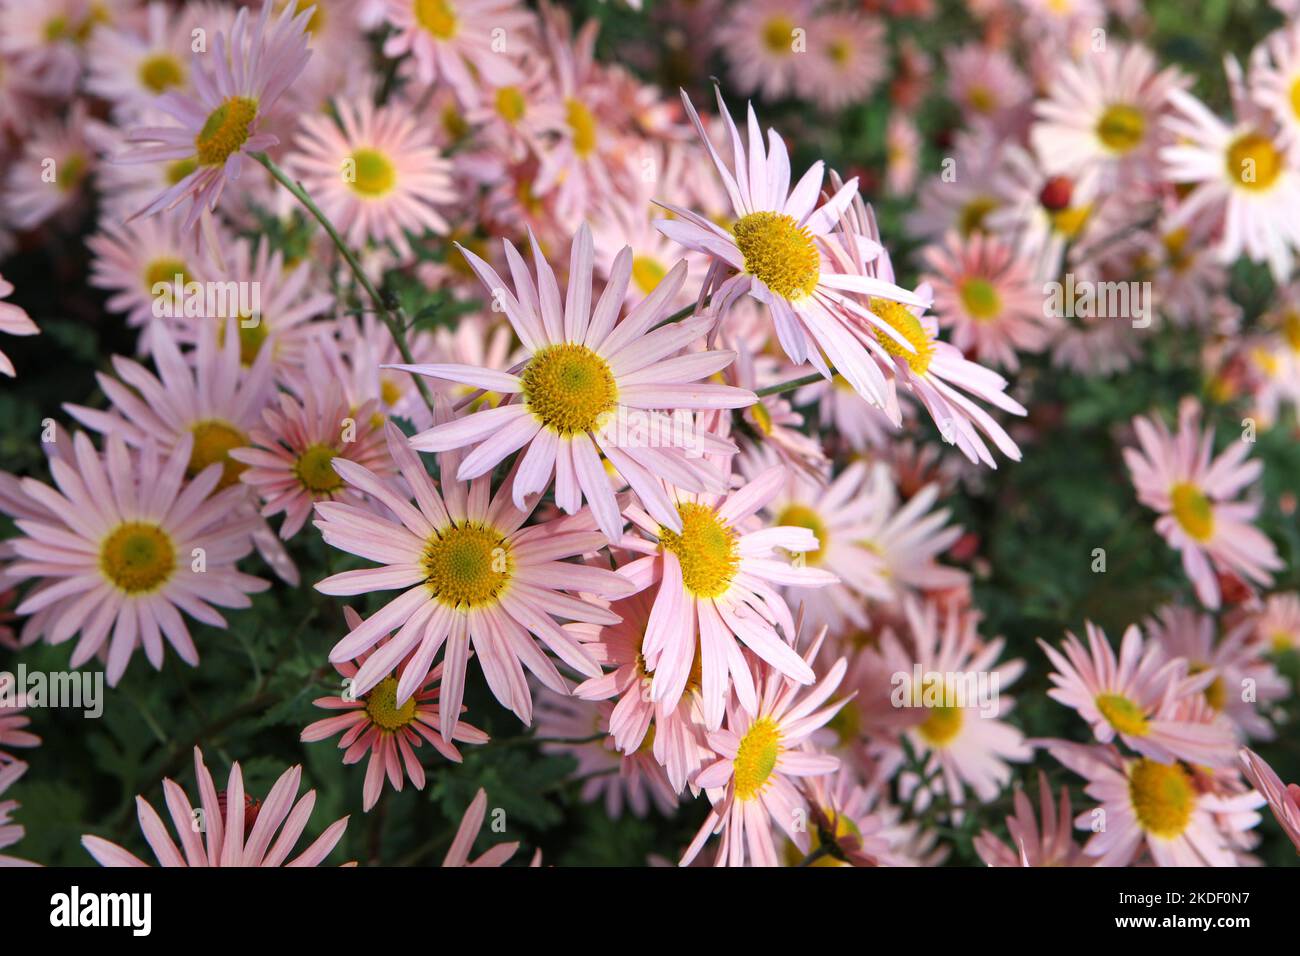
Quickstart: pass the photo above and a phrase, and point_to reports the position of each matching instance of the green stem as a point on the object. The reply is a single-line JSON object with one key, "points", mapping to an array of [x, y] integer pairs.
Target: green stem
{"points": [[791, 385], [393, 317]]}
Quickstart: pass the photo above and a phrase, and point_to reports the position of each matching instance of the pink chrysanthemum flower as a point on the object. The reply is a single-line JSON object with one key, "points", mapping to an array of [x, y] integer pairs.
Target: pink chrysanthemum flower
{"points": [[986, 294], [221, 119], [455, 41], [762, 751], [984, 82], [1283, 799], [1105, 110], [1153, 806], [592, 386], [1274, 73], [1136, 697], [377, 177], [636, 721], [10, 833], [963, 741], [131, 67], [1245, 173], [776, 252], [633, 779], [1277, 625], [50, 176], [1193, 492], [41, 40], [13, 321], [715, 585], [469, 572], [375, 724], [237, 829], [1045, 840], [843, 818], [847, 59], [131, 545], [458, 854], [1246, 685], [764, 42], [290, 461]]}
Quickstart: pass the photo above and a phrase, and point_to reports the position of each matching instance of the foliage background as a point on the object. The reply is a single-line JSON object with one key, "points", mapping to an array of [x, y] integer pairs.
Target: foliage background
{"points": [[1037, 523]]}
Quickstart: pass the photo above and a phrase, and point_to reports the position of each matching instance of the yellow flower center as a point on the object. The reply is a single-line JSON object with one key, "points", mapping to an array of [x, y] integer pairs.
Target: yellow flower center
{"points": [[1216, 695], [980, 299], [943, 722], [213, 440], [1295, 97], [1070, 221], [161, 72], [72, 172], [1163, 797], [510, 104], [225, 131], [436, 16], [569, 388], [1254, 162], [373, 173], [981, 99], [1193, 510], [315, 469], [756, 757], [179, 169], [1122, 714], [779, 252], [840, 52], [468, 565], [138, 557], [382, 709], [778, 32], [706, 549], [165, 270], [1291, 330], [902, 321], [801, 516], [973, 214], [647, 273], [1121, 127], [583, 126]]}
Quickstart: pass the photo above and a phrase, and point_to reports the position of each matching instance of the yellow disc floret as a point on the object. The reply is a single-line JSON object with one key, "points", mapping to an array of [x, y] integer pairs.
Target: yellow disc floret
{"points": [[902, 321], [467, 565], [780, 252], [137, 557], [315, 469], [436, 16], [706, 550], [1163, 797], [213, 440], [373, 173], [1254, 161], [756, 757], [382, 709], [1192, 510], [569, 388], [1121, 127], [225, 131], [1122, 714], [801, 516]]}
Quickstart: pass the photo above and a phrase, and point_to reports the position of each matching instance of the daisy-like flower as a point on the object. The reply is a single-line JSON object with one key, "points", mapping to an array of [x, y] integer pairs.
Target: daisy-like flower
{"points": [[775, 252], [377, 725], [846, 824], [1274, 73], [1283, 799], [906, 342], [1136, 697], [1244, 174], [592, 386], [964, 742], [221, 120], [131, 544], [763, 749], [984, 82], [986, 294], [237, 829], [637, 721], [469, 572], [50, 176], [765, 42], [1178, 476], [13, 321], [714, 587], [458, 854], [41, 39], [453, 41], [1105, 109], [1153, 806], [1246, 684], [634, 779], [291, 459], [847, 59], [131, 67], [1277, 625], [10, 833], [1034, 843], [376, 174]]}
